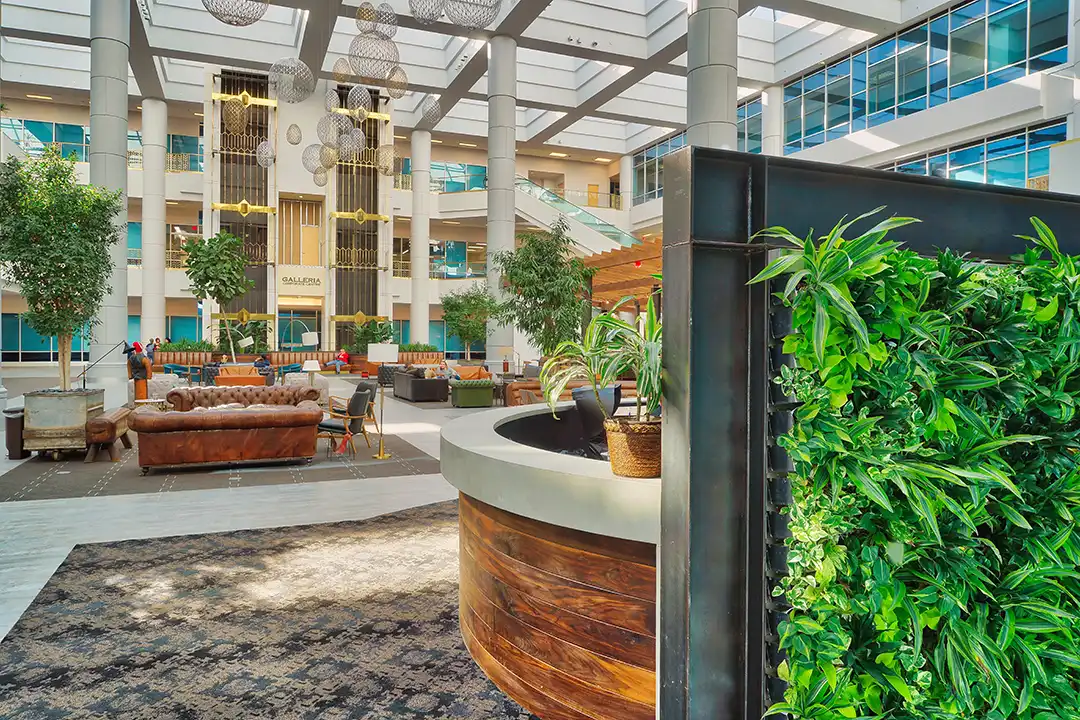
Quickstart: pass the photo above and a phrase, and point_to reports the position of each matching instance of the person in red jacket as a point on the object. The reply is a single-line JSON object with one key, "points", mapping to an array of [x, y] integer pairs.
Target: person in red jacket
{"points": [[340, 361]]}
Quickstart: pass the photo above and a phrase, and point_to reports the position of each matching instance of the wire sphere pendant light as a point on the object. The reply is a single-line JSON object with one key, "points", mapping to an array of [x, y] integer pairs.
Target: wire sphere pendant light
{"points": [[328, 156], [238, 13], [358, 102], [473, 14], [386, 24], [235, 116], [373, 56], [385, 157], [292, 79], [427, 12], [294, 134], [264, 154], [432, 111], [343, 71], [320, 177], [332, 102], [351, 145], [365, 17], [332, 127], [397, 82], [310, 158]]}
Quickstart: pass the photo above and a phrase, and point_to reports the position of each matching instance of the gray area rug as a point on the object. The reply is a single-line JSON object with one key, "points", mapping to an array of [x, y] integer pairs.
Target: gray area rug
{"points": [[344, 620]]}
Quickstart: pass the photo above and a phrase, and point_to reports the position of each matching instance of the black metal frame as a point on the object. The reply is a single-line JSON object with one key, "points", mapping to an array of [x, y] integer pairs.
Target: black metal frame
{"points": [[724, 479]]}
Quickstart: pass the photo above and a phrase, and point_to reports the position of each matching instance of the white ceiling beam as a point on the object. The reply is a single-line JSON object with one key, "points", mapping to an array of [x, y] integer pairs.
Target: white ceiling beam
{"points": [[876, 16], [318, 30], [141, 57]]}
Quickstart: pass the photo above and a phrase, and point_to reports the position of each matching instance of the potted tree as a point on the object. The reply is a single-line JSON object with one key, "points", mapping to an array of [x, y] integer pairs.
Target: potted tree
{"points": [[547, 288], [466, 313], [215, 269], [610, 347], [54, 244], [375, 332]]}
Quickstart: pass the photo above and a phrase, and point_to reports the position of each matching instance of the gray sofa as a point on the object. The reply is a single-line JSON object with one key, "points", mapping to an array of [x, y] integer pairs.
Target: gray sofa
{"points": [[414, 389]]}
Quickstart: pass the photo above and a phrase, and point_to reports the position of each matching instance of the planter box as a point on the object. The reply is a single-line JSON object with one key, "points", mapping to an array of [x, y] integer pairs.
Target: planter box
{"points": [[420, 358], [57, 420]]}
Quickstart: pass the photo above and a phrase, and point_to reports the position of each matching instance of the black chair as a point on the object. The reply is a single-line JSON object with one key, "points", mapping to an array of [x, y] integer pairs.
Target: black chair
{"points": [[593, 414], [344, 425]]}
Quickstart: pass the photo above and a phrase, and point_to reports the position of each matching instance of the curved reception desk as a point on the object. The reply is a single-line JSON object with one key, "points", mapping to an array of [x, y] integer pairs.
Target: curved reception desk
{"points": [[558, 566]]}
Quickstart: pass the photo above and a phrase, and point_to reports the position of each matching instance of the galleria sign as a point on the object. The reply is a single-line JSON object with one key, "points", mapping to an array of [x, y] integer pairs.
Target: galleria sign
{"points": [[300, 280]]}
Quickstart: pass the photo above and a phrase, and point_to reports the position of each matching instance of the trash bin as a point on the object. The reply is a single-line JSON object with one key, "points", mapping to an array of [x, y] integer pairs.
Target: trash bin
{"points": [[13, 429]]}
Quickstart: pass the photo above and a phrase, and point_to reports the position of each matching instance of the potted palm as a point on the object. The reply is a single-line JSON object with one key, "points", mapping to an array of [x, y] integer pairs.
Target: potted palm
{"points": [[610, 347]]}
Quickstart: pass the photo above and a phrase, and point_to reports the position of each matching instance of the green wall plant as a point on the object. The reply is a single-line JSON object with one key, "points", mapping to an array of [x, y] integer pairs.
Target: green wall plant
{"points": [[934, 558]]}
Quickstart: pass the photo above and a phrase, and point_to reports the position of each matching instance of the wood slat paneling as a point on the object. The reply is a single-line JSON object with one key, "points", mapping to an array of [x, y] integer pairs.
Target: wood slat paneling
{"points": [[563, 621]]}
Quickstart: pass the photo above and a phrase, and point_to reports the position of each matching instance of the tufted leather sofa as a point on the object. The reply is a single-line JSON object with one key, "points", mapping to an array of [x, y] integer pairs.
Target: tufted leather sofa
{"points": [[283, 429], [514, 397]]}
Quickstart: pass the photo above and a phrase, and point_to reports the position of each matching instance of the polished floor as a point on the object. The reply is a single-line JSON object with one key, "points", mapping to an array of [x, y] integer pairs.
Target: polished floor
{"points": [[37, 535]]}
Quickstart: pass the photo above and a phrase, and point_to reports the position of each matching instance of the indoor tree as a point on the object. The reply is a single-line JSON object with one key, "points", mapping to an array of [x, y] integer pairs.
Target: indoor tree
{"points": [[215, 269], [547, 287], [55, 236], [466, 313], [372, 332]]}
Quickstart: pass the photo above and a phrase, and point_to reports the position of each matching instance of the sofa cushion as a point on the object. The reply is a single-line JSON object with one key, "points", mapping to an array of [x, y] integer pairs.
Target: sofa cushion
{"points": [[472, 372], [184, 399], [151, 420], [478, 383]]}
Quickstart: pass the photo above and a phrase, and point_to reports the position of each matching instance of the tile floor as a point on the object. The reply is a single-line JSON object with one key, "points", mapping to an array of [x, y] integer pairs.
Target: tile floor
{"points": [[36, 536]]}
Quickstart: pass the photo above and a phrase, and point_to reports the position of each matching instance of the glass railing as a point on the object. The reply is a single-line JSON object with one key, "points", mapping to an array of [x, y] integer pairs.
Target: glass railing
{"points": [[460, 271], [174, 259], [569, 209]]}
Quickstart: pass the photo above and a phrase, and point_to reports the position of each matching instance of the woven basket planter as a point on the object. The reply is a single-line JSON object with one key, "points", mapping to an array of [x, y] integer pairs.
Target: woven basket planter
{"points": [[634, 447]]}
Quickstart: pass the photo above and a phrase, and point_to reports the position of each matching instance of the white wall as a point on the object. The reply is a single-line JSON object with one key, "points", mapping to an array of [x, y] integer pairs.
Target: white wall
{"points": [[292, 177]]}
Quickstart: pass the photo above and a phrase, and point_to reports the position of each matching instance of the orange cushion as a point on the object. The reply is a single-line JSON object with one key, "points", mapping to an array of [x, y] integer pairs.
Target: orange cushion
{"points": [[472, 372], [239, 370]]}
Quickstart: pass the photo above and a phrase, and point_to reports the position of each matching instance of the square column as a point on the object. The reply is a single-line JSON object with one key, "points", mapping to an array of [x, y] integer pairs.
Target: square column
{"points": [[154, 137], [420, 238], [110, 30], [502, 148], [712, 78]]}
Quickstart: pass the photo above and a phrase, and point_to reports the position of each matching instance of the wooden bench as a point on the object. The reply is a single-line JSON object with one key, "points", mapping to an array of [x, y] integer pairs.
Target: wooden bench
{"points": [[103, 431]]}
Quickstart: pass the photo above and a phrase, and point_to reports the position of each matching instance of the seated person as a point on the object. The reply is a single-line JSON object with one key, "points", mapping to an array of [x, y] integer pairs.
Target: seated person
{"points": [[340, 361], [213, 369], [445, 371], [263, 365]]}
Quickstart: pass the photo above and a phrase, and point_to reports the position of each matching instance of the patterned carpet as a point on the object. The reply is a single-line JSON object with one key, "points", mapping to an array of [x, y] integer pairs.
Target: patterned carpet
{"points": [[346, 620]]}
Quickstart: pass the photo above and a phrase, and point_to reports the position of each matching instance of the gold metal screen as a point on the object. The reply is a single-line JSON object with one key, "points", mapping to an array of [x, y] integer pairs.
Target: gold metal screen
{"points": [[356, 256], [242, 179]]}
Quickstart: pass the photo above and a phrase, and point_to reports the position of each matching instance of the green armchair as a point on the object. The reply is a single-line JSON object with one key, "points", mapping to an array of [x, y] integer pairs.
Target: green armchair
{"points": [[472, 393]]}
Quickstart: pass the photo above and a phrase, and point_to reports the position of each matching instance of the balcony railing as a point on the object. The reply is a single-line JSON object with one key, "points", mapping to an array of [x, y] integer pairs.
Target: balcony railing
{"points": [[174, 259], [581, 198], [466, 271], [174, 162]]}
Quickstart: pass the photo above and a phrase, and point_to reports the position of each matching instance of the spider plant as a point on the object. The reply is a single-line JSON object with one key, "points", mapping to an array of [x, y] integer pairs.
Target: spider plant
{"points": [[610, 347]]}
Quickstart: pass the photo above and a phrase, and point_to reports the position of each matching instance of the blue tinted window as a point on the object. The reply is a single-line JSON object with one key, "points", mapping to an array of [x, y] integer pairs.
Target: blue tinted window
{"points": [[913, 168], [1049, 60], [1011, 171], [1006, 146], [1045, 137], [967, 53], [936, 165], [969, 88], [880, 52], [858, 73], [1007, 37], [839, 70], [1003, 76], [971, 173], [911, 38], [814, 82], [793, 90], [882, 117], [967, 155], [966, 13], [1039, 163], [813, 140], [1049, 26], [939, 38]]}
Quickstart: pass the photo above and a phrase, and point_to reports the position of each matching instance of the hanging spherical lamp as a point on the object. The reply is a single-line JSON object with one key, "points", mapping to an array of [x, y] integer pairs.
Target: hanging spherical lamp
{"points": [[320, 177], [366, 17], [328, 156], [235, 116], [427, 12], [351, 145], [397, 82], [386, 24], [294, 134], [473, 14], [264, 154], [431, 110], [292, 79], [310, 158], [332, 100], [343, 70], [384, 159], [373, 57], [238, 13], [331, 127], [358, 102]]}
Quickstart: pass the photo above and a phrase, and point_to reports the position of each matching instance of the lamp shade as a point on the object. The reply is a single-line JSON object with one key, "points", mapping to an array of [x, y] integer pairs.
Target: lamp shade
{"points": [[245, 342], [382, 353], [311, 366], [310, 338]]}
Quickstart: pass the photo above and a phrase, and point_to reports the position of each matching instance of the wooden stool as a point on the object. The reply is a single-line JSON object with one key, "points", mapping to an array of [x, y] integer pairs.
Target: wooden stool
{"points": [[103, 431]]}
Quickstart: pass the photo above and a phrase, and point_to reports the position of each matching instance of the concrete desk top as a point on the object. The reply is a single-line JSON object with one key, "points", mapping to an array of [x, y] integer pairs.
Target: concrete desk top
{"points": [[563, 490]]}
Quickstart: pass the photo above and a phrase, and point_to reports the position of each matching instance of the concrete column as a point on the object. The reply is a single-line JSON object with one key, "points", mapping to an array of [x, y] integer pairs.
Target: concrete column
{"points": [[712, 81], [154, 137], [110, 29], [420, 238], [502, 148], [211, 219], [386, 229], [626, 181], [772, 120]]}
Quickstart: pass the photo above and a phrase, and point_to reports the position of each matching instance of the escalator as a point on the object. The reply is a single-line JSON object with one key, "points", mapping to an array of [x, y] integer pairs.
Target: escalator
{"points": [[543, 207]]}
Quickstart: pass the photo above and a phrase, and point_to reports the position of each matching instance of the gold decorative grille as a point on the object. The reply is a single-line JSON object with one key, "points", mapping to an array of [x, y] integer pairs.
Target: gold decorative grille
{"points": [[356, 256], [243, 182]]}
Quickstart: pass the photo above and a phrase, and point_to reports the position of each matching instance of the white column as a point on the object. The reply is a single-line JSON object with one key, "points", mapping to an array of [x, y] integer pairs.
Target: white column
{"points": [[712, 82], [110, 28], [626, 181], [772, 120], [211, 219], [502, 147], [154, 137], [420, 237]]}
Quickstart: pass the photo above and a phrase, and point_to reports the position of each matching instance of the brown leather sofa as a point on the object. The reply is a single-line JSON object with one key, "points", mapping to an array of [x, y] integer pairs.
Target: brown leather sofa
{"points": [[284, 428], [514, 397]]}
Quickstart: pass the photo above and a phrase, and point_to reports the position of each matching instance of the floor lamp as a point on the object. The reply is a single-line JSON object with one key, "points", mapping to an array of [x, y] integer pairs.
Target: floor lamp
{"points": [[382, 353]]}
